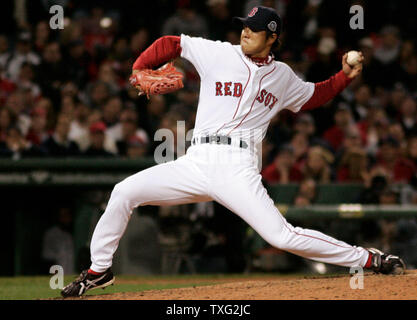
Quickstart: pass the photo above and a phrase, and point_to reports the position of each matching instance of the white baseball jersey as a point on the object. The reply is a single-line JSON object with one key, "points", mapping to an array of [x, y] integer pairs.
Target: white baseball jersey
{"points": [[236, 96]]}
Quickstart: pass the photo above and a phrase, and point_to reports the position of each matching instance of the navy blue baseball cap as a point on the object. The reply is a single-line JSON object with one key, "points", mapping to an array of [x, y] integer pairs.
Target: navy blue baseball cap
{"points": [[262, 19]]}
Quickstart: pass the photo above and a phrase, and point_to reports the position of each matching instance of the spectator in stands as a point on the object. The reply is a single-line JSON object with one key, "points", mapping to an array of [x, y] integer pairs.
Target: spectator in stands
{"points": [[387, 54], [82, 65], [96, 148], [352, 140], [4, 51], [307, 15], [156, 108], [307, 193], [407, 50], [58, 143], [111, 111], [107, 75], [23, 53], [373, 129], [388, 227], [121, 58], [38, 132], [186, 106], [136, 147], [42, 36], [98, 93], [6, 86], [389, 49], [218, 18], [317, 165], [6, 121], [282, 170], [58, 243], [26, 80], [374, 186], [16, 105], [67, 105], [46, 104], [139, 41], [304, 124], [412, 149], [300, 144], [185, 20], [362, 102], [371, 66], [70, 88], [79, 129], [128, 128], [408, 116], [98, 36], [52, 71], [326, 63], [400, 169], [16, 146], [342, 122], [353, 166], [396, 97], [409, 73], [396, 131], [301, 201]]}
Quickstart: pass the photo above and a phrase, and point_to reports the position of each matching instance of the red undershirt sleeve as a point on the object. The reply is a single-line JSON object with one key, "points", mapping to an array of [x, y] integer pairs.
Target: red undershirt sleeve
{"points": [[162, 50], [326, 90]]}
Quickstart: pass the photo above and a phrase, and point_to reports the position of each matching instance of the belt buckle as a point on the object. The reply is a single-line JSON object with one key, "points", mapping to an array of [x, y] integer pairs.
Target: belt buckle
{"points": [[214, 139]]}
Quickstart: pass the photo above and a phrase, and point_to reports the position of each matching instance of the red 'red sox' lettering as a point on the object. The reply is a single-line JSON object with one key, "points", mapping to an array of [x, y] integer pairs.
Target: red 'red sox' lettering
{"points": [[233, 89], [267, 98]]}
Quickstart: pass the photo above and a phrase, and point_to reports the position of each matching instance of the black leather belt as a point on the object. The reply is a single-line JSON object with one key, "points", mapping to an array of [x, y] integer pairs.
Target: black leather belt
{"points": [[218, 140]]}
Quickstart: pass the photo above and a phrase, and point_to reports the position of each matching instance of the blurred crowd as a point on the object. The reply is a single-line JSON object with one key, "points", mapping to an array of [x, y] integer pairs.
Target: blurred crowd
{"points": [[64, 92]]}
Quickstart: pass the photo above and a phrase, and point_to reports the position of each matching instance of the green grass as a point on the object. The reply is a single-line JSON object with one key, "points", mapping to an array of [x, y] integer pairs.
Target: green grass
{"points": [[37, 287], [28, 288]]}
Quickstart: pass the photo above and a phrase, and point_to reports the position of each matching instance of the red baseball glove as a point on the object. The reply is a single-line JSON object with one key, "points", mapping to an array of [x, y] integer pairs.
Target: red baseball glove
{"points": [[164, 80]]}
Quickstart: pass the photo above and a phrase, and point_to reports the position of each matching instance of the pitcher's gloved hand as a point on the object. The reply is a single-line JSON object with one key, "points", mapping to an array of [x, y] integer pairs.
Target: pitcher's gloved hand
{"points": [[164, 80]]}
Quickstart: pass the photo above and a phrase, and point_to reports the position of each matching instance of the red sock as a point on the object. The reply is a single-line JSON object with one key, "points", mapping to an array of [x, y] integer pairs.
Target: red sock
{"points": [[369, 261], [95, 273]]}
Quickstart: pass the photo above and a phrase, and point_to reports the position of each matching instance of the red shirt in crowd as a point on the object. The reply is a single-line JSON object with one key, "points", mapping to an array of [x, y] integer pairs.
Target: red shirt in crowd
{"points": [[334, 136], [402, 170], [271, 175]]}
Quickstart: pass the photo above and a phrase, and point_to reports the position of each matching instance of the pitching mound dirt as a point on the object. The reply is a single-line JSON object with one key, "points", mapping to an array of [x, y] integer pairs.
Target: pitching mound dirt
{"points": [[375, 287]]}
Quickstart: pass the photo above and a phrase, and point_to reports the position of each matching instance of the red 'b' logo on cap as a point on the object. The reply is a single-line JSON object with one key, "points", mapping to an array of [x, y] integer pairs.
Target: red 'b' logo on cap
{"points": [[252, 13]]}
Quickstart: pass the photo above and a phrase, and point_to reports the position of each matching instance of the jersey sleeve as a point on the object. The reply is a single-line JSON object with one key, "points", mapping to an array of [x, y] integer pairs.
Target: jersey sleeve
{"points": [[202, 53], [298, 92]]}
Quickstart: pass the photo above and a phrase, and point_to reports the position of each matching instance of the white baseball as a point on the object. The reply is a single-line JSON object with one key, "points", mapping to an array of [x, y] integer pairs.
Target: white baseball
{"points": [[353, 58]]}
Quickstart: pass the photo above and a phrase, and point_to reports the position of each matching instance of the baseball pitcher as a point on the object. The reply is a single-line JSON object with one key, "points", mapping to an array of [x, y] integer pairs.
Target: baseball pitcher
{"points": [[242, 89]]}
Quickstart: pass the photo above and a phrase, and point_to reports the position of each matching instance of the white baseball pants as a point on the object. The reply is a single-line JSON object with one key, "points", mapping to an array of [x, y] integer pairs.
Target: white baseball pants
{"points": [[225, 174]]}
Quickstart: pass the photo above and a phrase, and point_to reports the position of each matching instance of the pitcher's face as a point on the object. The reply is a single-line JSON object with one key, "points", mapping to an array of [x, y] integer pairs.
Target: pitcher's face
{"points": [[252, 42], [256, 44]]}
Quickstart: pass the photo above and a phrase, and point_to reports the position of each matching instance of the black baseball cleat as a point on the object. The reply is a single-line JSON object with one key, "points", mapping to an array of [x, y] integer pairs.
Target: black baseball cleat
{"points": [[87, 281], [386, 263]]}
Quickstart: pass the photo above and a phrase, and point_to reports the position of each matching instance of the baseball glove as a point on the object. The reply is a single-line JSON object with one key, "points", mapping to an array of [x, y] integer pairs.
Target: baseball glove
{"points": [[164, 80]]}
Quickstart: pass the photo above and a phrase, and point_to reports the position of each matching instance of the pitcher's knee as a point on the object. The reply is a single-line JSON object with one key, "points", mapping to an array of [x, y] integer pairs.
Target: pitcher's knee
{"points": [[279, 240], [124, 191]]}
